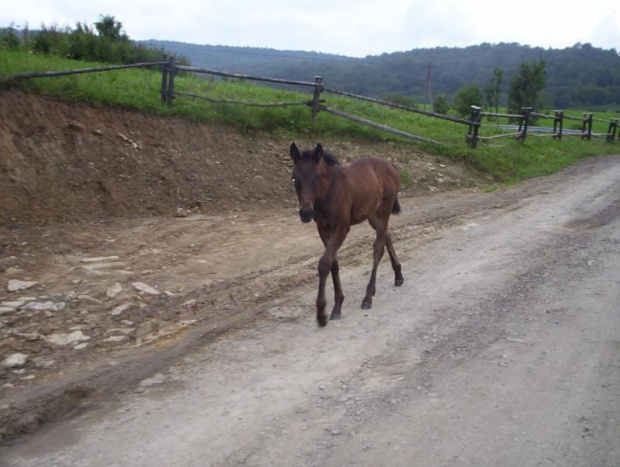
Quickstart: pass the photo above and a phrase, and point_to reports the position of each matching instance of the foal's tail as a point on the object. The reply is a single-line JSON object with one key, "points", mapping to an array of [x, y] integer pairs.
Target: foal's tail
{"points": [[396, 207]]}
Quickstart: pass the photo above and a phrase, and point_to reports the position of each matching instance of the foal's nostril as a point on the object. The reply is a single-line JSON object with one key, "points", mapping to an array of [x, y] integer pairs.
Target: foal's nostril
{"points": [[306, 214]]}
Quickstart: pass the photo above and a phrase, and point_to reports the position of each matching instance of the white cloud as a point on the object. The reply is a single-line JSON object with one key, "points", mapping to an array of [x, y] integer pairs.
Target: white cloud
{"points": [[349, 27]]}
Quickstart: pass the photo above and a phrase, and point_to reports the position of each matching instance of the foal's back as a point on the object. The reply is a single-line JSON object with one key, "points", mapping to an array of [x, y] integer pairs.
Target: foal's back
{"points": [[373, 186]]}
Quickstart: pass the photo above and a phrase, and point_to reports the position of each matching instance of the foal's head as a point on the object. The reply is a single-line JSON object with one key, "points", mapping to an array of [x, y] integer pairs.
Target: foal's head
{"points": [[307, 173], [306, 176]]}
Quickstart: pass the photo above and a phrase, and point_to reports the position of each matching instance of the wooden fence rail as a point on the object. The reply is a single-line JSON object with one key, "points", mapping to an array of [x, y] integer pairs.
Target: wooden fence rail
{"points": [[372, 124], [249, 104], [168, 91], [474, 123], [400, 107], [49, 74], [557, 131], [248, 77]]}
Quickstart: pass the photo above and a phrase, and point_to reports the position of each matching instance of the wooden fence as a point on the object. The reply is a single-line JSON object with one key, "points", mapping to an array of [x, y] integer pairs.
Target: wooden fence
{"points": [[523, 128]]}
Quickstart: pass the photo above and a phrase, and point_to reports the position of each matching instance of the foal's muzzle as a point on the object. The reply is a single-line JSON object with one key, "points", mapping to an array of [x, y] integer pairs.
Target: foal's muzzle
{"points": [[306, 214]]}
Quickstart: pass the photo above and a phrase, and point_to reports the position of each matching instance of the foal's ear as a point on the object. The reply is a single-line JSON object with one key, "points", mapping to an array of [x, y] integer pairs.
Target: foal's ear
{"points": [[295, 152], [317, 154]]}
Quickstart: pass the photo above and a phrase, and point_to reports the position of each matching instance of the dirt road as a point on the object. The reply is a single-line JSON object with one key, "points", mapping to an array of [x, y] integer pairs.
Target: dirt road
{"points": [[501, 349]]}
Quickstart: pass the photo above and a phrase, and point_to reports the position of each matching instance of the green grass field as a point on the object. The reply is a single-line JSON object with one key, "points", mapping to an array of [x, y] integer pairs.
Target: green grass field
{"points": [[506, 159]]}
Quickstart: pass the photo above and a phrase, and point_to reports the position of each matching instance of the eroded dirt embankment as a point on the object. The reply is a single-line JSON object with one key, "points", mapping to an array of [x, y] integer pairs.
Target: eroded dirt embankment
{"points": [[74, 162]]}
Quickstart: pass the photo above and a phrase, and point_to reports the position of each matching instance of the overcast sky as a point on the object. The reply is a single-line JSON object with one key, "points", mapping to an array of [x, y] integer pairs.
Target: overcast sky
{"points": [[348, 27]]}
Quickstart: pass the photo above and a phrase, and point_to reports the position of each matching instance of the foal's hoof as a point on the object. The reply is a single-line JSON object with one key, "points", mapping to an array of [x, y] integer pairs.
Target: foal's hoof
{"points": [[398, 282], [334, 316], [322, 320], [366, 305]]}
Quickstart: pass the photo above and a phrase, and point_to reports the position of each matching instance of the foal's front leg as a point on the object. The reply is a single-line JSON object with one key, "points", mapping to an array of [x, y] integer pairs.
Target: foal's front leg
{"points": [[329, 263], [338, 294]]}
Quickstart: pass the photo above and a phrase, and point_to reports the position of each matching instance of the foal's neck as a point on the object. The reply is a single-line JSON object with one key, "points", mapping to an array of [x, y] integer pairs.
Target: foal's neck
{"points": [[328, 178]]}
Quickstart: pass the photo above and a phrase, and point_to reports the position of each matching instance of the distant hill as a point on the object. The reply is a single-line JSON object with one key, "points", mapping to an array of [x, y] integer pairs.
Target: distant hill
{"points": [[578, 76]]}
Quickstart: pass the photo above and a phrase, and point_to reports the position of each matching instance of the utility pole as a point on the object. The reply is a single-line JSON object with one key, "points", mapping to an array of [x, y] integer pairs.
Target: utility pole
{"points": [[429, 86]]}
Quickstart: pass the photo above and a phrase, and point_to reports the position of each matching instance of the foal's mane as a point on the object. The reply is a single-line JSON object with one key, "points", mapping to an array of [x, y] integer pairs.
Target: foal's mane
{"points": [[328, 157]]}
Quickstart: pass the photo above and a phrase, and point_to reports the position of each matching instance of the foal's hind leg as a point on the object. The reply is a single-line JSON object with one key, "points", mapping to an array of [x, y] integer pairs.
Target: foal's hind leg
{"points": [[398, 280], [378, 250]]}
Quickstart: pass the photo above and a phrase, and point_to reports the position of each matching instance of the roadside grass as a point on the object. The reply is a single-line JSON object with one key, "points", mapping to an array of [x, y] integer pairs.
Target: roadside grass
{"points": [[507, 159]]}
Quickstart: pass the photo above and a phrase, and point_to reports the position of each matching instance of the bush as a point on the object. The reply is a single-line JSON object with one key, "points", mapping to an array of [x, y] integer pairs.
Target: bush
{"points": [[106, 42], [466, 97], [400, 99]]}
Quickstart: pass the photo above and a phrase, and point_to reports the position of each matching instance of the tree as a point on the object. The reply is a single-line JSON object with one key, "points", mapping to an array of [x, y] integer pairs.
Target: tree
{"points": [[493, 89], [525, 87], [466, 97], [8, 37], [440, 105], [107, 26]]}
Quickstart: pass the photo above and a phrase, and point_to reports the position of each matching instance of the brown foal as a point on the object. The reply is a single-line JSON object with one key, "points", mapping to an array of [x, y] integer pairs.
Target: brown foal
{"points": [[338, 197]]}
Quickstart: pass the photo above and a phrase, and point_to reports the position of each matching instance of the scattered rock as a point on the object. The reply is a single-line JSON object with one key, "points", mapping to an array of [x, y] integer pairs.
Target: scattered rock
{"points": [[5, 310], [124, 331], [155, 380], [114, 290], [180, 212], [40, 306], [142, 287], [15, 285], [75, 125], [15, 360], [88, 298], [119, 310], [99, 259], [71, 296], [11, 271], [15, 304], [115, 338], [66, 339], [134, 144]]}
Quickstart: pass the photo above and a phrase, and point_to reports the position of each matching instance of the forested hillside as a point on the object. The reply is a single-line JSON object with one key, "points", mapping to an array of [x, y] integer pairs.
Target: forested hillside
{"points": [[578, 76]]}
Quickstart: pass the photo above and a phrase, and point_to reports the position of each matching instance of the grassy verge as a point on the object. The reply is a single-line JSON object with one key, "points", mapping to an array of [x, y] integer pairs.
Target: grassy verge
{"points": [[506, 159]]}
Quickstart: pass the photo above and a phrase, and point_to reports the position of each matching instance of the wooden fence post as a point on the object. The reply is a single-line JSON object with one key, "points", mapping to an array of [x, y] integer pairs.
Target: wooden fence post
{"points": [[316, 101], [474, 126], [171, 73], [558, 124], [613, 128], [164, 81], [524, 123], [586, 127]]}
